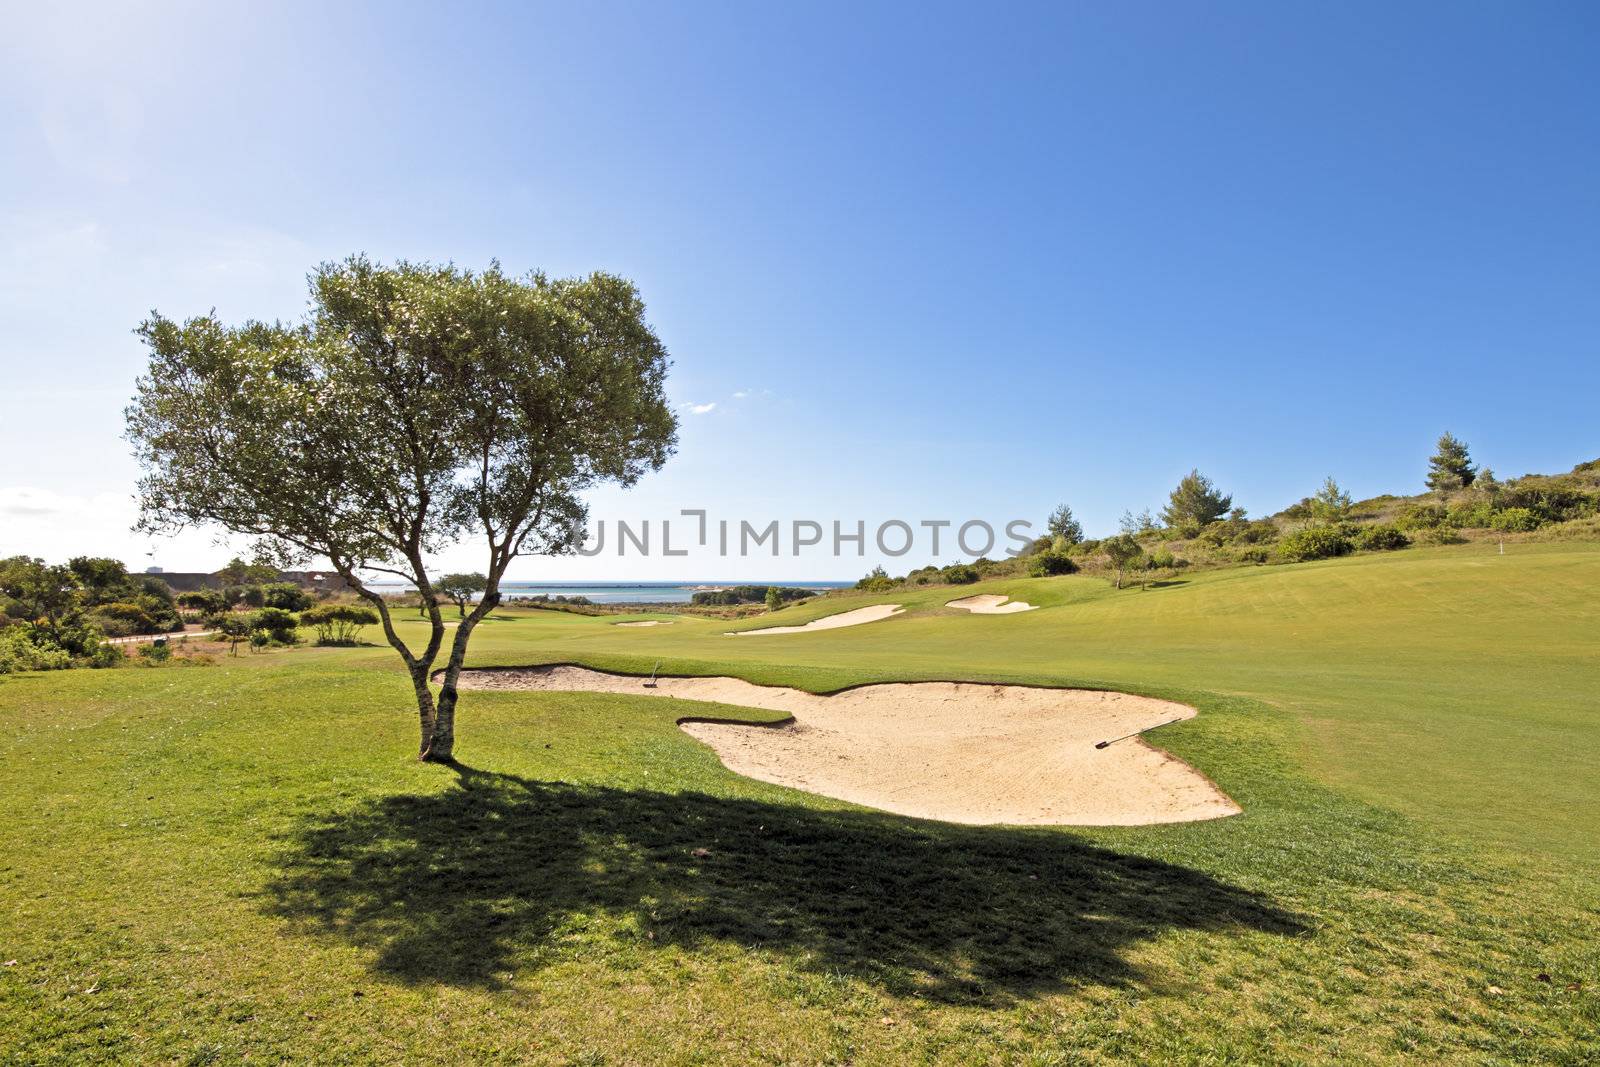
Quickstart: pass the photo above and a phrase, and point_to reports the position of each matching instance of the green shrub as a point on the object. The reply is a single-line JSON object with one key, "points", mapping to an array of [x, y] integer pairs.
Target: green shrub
{"points": [[338, 624], [156, 652], [1474, 516], [962, 573], [1049, 564], [22, 648], [1420, 517], [1161, 559], [1515, 520], [277, 624], [1381, 538], [1252, 554], [1314, 542], [287, 596]]}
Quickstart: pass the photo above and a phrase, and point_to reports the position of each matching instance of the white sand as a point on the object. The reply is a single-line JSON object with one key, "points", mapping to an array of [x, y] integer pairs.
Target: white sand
{"points": [[831, 622], [959, 752], [990, 604], [646, 622]]}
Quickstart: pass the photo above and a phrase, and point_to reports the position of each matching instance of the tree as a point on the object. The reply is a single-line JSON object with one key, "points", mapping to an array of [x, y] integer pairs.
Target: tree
{"points": [[338, 624], [238, 572], [1061, 524], [103, 580], [234, 628], [462, 588], [1121, 551], [1451, 466], [39, 592], [1331, 503], [416, 406], [1134, 525], [1195, 502], [774, 598]]}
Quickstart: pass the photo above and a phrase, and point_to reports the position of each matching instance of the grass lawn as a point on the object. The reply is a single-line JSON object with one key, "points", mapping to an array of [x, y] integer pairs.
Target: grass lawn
{"points": [[240, 862]]}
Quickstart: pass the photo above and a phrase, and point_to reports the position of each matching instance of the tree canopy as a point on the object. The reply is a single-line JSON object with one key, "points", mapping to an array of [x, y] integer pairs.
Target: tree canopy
{"points": [[462, 588], [1450, 467], [1195, 502], [1062, 524], [415, 406]]}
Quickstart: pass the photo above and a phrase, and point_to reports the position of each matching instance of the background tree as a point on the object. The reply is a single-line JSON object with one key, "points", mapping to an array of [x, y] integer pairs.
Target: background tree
{"points": [[39, 592], [1331, 503], [774, 598], [1450, 467], [1121, 551], [1195, 502], [418, 404], [462, 588], [238, 572], [1061, 524]]}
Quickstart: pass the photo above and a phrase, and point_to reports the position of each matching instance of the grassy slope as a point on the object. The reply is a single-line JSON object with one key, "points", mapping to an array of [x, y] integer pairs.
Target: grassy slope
{"points": [[240, 859]]}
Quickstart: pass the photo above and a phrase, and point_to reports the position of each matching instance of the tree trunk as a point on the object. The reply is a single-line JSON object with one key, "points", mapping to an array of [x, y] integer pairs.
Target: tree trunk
{"points": [[427, 713]]}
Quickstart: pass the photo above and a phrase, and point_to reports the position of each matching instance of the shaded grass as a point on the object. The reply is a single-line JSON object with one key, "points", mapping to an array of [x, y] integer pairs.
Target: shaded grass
{"points": [[209, 864]]}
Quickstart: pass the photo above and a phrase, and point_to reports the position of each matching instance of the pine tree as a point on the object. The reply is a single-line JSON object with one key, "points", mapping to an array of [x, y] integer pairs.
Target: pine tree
{"points": [[1063, 525], [1450, 467], [1195, 502]]}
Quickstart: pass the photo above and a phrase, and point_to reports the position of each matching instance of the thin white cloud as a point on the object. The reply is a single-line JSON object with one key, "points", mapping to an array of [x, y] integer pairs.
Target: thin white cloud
{"points": [[702, 409], [741, 394]]}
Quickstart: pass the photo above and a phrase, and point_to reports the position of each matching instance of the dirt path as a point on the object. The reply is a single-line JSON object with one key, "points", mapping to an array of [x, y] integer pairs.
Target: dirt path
{"points": [[954, 751]]}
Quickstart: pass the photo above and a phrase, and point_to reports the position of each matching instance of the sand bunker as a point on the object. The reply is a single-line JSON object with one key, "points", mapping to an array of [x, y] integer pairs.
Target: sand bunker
{"points": [[832, 622], [954, 751], [990, 604], [646, 622]]}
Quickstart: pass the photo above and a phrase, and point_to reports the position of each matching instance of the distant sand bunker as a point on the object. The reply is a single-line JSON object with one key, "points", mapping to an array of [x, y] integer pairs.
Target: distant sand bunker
{"points": [[646, 622], [832, 622], [955, 751], [990, 604]]}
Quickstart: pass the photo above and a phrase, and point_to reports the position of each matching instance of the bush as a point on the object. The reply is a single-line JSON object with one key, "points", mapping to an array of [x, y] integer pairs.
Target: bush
{"points": [[1381, 538], [156, 653], [961, 573], [1515, 520], [286, 596], [1251, 554], [1470, 516], [1439, 535], [1314, 542], [1420, 517], [1049, 564], [277, 624], [1161, 559], [338, 624], [24, 649]]}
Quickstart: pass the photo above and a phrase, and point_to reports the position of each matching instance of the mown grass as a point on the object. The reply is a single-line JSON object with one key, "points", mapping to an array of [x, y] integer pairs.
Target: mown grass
{"points": [[240, 862]]}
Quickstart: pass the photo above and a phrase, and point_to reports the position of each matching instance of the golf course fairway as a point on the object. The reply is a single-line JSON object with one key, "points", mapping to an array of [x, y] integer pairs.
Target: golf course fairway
{"points": [[211, 864]]}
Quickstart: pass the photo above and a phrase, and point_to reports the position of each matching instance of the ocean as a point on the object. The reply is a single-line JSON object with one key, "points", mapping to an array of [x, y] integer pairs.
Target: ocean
{"points": [[628, 592]]}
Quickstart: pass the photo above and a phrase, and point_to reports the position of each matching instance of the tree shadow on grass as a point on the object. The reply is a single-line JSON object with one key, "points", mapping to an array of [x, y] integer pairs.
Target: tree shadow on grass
{"points": [[502, 873]]}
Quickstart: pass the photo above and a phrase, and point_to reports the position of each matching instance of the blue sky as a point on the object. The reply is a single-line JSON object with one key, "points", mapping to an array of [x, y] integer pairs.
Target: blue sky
{"points": [[926, 261]]}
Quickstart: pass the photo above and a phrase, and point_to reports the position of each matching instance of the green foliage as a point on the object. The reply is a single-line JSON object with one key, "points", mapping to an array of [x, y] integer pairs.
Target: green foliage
{"points": [[1469, 515], [238, 572], [461, 588], [1162, 559], [1195, 503], [155, 652], [279, 625], [1121, 551], [959, 574], [1061, 524], [774, 599], [23, 648], [1420, 517], [1381, 537], [747, 594], [1438, 535], [338, 624], [123, 619], [204, 601], [414, 406], [286, 596], [1330, 504], [1049, 564], [233, 628], [876, 580], [1515, 520], [1450, 467], [1314, 542]]}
